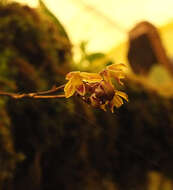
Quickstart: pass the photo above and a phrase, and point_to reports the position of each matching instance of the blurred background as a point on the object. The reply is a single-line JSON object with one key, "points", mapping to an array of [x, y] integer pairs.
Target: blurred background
{"points": [[40, 42], [105, 24]]}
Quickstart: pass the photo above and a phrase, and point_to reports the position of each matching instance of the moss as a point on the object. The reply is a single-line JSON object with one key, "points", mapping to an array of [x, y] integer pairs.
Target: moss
{"points": [[33, 56]]}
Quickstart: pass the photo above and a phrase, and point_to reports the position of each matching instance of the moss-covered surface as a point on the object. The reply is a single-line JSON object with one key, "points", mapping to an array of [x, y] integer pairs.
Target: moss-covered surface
{"points": [[144, 134], [34, 56]]}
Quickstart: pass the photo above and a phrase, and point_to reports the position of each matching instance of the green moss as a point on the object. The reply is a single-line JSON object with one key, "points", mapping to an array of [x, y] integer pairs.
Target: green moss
{"points": [[33, 56]]}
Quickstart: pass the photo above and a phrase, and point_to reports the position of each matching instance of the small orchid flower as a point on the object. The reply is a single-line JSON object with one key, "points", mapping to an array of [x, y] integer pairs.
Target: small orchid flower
{"points": [[97, 89], [117, 71], [77, 81]]}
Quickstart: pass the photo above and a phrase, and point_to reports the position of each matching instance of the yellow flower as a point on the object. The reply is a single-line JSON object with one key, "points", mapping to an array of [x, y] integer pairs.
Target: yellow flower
{"points": [[74, 84], [117, 100], [97, 89], [117, 71], [77, 81]]}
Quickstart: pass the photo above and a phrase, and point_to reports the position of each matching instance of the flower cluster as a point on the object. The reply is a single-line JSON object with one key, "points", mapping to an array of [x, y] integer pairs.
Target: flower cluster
{"points": [[97, 89]]}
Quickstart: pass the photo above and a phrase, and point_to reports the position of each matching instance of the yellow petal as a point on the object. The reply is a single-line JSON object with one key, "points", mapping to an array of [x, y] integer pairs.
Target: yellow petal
{"points": [[72, 74], [116, 102], [117, 67], [69, 89], [122, 94], [106, 76], [117, 75], [90, 77]]}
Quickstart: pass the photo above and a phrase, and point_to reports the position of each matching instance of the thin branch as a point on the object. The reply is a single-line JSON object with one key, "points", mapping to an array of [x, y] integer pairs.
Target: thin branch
{"points": [[53, 90], [49, 97], [36, 95]]}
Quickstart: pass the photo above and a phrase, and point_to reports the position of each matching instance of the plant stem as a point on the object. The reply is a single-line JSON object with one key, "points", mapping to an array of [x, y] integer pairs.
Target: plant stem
{"points": [[37, 95]]}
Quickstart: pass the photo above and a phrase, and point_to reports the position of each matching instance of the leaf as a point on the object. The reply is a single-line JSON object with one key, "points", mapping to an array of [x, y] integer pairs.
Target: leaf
{"points": [[53, 18], [83, 45], [94, 56]]}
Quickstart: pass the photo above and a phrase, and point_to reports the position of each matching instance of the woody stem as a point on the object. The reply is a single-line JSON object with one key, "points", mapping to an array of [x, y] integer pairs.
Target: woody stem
{"points": [[36, 95]]}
